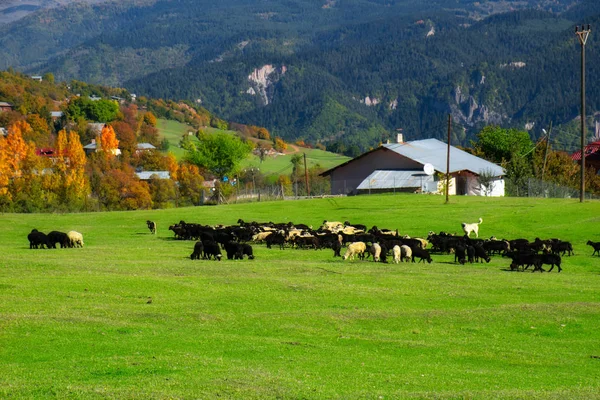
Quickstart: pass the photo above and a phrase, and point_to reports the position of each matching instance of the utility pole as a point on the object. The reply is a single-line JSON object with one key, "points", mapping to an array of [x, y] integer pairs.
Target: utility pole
{"points": [[583, 35], [448, 160], [306, 176], [546, 152]]}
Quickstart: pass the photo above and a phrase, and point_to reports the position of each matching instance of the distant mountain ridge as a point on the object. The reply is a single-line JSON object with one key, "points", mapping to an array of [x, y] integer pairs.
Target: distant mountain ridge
{"points": [[347, 73]]}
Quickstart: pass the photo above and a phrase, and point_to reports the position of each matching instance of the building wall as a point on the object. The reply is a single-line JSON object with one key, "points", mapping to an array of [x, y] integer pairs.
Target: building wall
{"points": [[345, 180], [475, 189]]}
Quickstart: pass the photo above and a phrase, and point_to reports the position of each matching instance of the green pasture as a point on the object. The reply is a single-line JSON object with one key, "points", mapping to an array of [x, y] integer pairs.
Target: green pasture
{"points": [[130, 316], [273, 166]]}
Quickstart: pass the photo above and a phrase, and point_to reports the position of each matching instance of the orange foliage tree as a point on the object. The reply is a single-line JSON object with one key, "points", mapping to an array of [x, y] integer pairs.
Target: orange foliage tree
{"points": [[108, 141], [191, 184]]}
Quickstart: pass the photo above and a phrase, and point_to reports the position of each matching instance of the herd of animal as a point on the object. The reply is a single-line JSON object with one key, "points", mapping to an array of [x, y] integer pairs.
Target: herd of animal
{"points": [[362, 243], [39, 240]]}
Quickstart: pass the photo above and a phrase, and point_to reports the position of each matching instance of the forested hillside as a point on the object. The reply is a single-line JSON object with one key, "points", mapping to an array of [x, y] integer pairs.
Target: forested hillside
{"points": [[347, 74]]}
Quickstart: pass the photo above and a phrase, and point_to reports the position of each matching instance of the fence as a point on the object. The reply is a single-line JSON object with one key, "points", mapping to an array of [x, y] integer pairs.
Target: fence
{"points": [[539, 188]]}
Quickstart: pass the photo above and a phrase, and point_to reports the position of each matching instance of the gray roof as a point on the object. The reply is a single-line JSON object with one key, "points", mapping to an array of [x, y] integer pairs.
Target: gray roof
{"points": [[389, 179], [5, 104], [434, 152], [145, 175], [56, 114], [145, 146]]}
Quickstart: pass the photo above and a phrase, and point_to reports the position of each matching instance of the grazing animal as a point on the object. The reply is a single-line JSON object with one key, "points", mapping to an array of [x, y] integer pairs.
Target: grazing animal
{"points": [[212, 249], [375, 249], [397, 254], [336, 246], [406, 253], [198, 250], [58, 237], [355, 249], [595, 246], [37, 240], [422, 254], [75, 239], [151, 226], [472, 227]]}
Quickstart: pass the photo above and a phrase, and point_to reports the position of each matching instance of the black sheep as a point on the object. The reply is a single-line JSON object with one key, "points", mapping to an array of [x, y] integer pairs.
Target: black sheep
{"points": [[198, 250], [37, 239], [234, 250], [459, 255], [58, 237], [422, 254], [212, 249]]}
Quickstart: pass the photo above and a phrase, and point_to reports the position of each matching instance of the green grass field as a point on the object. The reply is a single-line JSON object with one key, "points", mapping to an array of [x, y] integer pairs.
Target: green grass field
{"points": [[130, 316]]}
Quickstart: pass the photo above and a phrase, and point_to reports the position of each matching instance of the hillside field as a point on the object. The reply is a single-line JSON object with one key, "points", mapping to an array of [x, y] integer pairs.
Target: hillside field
{"points": [[130, 316], [272, 166]]}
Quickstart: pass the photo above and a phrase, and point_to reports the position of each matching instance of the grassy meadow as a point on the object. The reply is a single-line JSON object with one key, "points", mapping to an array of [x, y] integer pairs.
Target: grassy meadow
{"points": [[130, 316]]}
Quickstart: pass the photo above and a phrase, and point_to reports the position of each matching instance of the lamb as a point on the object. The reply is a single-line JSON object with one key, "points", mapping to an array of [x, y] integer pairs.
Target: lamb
{"points": [[356, 248], [75, 239], [472, 227], [595, 246], [151, 226]]}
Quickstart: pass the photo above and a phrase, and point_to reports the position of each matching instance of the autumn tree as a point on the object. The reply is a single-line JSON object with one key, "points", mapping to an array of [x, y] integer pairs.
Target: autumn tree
{"points": [[108, 141], [163, 192], [122, 190], [150, 119], [126, 136], [38, 132], [191, 184]]}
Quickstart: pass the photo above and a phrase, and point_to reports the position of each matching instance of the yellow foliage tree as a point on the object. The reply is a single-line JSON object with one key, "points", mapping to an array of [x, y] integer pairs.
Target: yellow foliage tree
{"points": [[108, 141]]}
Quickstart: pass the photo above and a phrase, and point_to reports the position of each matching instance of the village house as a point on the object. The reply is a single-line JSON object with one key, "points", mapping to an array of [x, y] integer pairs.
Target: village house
{"points": [[416, 166]]}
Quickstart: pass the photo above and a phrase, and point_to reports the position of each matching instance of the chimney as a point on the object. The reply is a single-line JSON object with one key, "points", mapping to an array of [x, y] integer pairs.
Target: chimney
{"points": [[400, 138]]}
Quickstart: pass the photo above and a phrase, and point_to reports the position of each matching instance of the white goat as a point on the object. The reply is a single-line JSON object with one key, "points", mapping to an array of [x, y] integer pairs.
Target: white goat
{"points": [[472, 227]]}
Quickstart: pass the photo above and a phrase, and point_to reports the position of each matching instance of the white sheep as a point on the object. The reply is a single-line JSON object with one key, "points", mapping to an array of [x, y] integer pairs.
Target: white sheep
{"points": [[261, 237], [406, 253], [333, 226], [397, 252], [75, 238], [355, 248], [376, 251]]}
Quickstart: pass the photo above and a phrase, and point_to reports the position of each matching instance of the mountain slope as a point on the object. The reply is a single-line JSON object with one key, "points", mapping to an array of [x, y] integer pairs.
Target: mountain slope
{"points": [[348, 71]]}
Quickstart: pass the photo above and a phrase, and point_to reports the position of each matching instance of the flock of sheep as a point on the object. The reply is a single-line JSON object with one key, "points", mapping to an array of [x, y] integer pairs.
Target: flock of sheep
{"points": [[39, 240], [360, 242], [363, 243]]}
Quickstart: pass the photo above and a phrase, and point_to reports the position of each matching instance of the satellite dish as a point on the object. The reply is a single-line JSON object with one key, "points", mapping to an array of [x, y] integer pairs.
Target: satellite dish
{"points": [[428, 169]]}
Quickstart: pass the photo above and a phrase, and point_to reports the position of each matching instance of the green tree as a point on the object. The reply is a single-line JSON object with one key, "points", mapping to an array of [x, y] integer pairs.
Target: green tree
{"points": [[220, 153], [499, 145]]}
